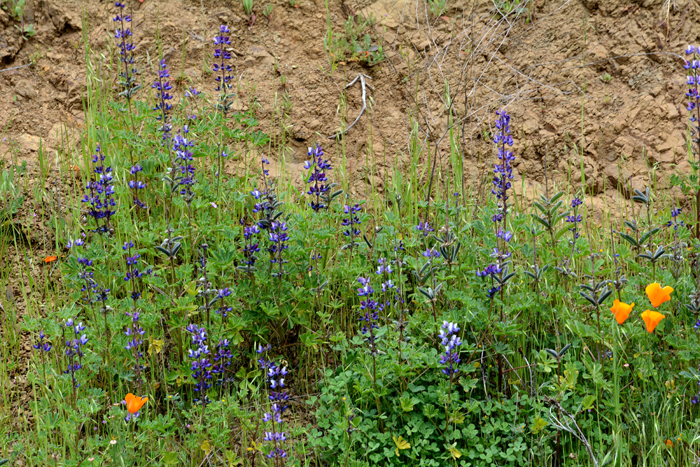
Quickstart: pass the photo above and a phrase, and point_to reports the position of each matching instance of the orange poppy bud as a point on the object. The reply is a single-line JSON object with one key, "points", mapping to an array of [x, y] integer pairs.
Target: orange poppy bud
{"points": [[134, 403], [50, 259], [621, 311], [652, 319], [658, 295]]}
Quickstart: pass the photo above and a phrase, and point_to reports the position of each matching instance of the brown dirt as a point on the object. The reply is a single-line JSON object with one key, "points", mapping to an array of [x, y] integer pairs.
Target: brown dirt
{"points": [[546, 70]]}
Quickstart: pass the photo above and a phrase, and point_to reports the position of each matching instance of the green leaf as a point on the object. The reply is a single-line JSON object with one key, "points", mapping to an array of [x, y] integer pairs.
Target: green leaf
{"points": [[407, 403], [587, 402], [170, 458], [401, 444], [556, 197], [629, 239], [538, 425], [541, 221]]}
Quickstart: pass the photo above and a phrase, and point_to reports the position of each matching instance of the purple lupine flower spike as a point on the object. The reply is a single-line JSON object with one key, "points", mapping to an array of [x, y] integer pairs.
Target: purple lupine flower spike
{"points": [[318, 180], [99, 195], [278, 397], [450, 341]]}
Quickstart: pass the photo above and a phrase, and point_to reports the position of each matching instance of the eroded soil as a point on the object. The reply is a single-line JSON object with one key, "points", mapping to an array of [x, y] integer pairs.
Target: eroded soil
{"points": [[545, 66]]}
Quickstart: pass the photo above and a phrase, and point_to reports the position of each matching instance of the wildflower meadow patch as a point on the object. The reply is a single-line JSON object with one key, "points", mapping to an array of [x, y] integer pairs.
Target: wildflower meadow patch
{"points": [[202, 306]]}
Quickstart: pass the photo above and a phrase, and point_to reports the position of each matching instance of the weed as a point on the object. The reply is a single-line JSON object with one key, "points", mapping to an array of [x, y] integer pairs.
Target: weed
{"points": [[354, 43], [248, 6]]}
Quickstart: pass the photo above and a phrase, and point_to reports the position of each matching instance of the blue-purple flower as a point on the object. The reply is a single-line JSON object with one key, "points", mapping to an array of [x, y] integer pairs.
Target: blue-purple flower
{"points": [[223, 70], [201, 365], [223, 309], [317, 178], [184, 157], [163, 87], [123, 35], [369, 309], [41, 345], [450, 341], [675, 212], [692, 80], [133, 274], [99, 196], [503, 172], [424, 228], [275, 436], [431, 253], [278, 238], [137, 185], [222, 359], [575, 218], [251, 247], [134, 333], [74, 341], [352, 221]]}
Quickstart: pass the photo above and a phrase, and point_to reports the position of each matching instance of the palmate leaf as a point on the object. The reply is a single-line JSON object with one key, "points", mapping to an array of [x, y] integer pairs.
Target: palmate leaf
{"points": [[258, 138], [224, 254], [401, 444]]}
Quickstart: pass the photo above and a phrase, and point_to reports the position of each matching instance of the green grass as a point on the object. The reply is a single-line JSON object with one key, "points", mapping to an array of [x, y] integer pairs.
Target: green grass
{"points": [[547, 376]]}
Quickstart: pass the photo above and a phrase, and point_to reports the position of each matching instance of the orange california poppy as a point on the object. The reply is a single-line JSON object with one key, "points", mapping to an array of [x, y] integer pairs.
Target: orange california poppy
{"points": [[652, 318], [658, 295], [134, 403], [621, 311], [50, 259], [669, 443]]}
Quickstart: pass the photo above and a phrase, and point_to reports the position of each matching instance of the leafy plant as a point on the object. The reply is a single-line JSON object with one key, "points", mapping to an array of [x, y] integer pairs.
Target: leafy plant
{"points": [[247, 6], [355, 42]]}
